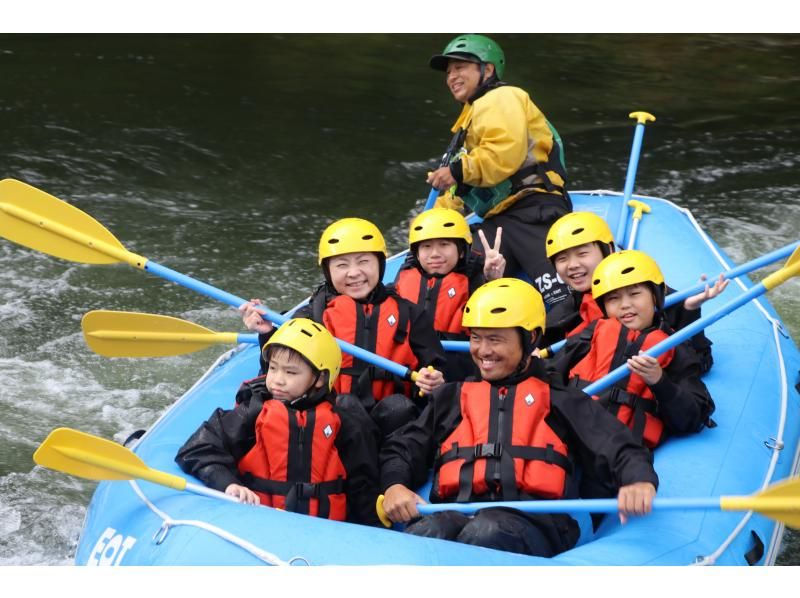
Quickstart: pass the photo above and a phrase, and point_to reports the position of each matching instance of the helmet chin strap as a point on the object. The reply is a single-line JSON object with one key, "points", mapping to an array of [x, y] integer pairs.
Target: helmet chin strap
{"points": [[528, 345], [312, 394]]}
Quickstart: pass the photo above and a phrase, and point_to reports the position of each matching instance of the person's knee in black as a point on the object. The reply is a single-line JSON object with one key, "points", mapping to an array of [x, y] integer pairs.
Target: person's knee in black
{"points": [[352, 403], [393, 412], [444, 525], [355, 406], [504, 529]]}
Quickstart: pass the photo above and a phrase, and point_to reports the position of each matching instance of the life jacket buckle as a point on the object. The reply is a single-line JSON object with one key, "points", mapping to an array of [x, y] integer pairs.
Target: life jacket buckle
{"points": [[488, 450], [306, 490]]}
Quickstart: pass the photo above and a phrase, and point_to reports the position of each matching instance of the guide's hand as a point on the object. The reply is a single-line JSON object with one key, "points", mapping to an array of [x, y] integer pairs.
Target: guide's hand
{"points": [[441, 178]]}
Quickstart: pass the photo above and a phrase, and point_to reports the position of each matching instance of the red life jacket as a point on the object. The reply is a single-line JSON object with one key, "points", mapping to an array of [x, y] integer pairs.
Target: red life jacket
{"points": [[503, 447], [294, 464], [382, 329], [589, 311], [631, 400], [442, 296]]}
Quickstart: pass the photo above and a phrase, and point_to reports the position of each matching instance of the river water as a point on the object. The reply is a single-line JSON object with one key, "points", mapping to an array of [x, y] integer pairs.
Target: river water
{"points": [[224, 156]]}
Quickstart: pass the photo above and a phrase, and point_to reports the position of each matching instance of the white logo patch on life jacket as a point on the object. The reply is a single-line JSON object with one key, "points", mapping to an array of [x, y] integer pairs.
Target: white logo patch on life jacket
{"points": [[391, 319], [451, 292], [327, 431], [529, 399]]}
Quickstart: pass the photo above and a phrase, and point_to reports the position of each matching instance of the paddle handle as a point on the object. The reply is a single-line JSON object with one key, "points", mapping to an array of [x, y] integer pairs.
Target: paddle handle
{"points": [[677, 338], [594, 505], [639, 209], [272, 316]]}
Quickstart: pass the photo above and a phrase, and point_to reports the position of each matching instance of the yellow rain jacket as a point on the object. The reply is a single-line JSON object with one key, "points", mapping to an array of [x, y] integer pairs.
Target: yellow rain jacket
{"points": [[509, 152]]}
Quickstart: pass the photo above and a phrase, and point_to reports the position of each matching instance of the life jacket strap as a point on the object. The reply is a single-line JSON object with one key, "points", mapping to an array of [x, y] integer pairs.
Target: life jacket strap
{"points": [[298, 494], [491, 450]]}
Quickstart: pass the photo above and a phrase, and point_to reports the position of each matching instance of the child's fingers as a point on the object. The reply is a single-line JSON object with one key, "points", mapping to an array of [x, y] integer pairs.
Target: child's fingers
{"points": [[497, 237], [484, 242]]}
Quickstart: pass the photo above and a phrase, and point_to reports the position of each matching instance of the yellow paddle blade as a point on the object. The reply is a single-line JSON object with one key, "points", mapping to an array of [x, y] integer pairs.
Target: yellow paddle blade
{"points": [[95, 458], [780, 502], [38, 220], [129, 334], [789, 269]]}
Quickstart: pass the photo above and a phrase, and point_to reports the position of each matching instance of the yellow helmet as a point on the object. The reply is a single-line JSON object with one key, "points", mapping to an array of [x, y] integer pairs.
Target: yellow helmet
{"points": [[505, 303], [439, 223], [625, 268], [350, 235], [577, 228], [312, 341]]}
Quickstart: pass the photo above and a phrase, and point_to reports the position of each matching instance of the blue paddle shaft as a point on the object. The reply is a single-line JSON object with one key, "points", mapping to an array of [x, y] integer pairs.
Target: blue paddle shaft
{"points": [[434, 193], [274, 317], [677, 338], [456, 346], [250, 338], [630, 178], [746, 268], [594, 505], [633, 162]]}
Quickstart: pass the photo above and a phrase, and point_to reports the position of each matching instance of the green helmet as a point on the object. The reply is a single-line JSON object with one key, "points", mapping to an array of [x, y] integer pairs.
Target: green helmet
{"points": [[472, 48]]}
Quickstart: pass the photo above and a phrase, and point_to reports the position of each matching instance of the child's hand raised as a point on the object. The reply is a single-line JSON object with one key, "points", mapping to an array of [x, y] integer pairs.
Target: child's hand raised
{"points": [[695, 301], [253, 319], [494, 264]]}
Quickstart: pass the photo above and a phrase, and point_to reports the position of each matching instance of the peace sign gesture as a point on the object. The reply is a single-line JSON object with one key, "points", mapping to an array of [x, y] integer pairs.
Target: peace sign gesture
{"points": [[494, 264]]}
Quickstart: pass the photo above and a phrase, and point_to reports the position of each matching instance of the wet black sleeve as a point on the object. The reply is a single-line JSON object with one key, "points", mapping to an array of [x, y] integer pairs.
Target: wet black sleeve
{"points": [[678, 317], [407, 454], [576, 348], [563, 317], [603, 444], [684, 403], [474, 270], [423, 339], [212, 453], [357, 442]]}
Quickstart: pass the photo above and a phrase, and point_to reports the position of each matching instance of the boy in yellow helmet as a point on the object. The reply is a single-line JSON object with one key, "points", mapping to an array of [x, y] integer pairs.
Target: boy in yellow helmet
{"points": [[510, 171], [663, 396], [509, 436], [252, 451], [355, 306], [440, 273]]}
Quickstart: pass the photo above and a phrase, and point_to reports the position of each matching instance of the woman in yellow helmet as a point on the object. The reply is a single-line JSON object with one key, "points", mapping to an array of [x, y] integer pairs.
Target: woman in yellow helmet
{"points": [[509, 436], [510, 170], [253, 451], [355, 306]]}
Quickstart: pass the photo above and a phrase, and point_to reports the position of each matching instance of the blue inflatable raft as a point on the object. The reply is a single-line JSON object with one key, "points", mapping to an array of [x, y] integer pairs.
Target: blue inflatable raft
{"points": [[755, 443]]}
